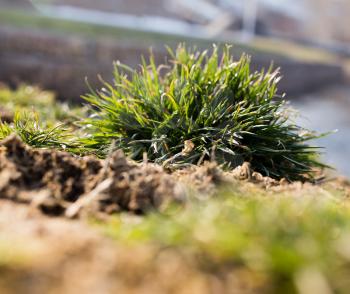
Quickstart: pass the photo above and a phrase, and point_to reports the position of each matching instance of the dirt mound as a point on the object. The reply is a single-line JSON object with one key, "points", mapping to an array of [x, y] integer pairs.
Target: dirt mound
{"points": [[60, 183], [207, 178]]}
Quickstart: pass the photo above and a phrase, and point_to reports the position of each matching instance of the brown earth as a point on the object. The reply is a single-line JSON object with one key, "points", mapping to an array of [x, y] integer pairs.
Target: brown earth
{"points": [[63, 256], [44, 254], [40, 253], [59, 183]]}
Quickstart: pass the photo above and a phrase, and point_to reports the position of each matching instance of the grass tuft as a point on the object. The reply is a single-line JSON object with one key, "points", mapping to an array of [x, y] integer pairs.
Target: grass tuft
{"points": [[200, 106], [27, 126]]}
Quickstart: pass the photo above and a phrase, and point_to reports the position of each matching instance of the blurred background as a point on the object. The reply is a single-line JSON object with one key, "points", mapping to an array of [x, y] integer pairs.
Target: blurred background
{"points": [[56, 44]]}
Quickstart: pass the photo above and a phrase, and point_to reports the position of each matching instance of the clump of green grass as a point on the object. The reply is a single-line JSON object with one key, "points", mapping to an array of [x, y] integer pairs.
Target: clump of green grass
{"points": [[196, 107], [27, 126]]}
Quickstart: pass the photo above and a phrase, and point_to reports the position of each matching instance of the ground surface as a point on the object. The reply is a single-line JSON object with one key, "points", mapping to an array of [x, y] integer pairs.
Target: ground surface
{"points": [[39, 254], [50, 255], [62, 256], [252, 235]]}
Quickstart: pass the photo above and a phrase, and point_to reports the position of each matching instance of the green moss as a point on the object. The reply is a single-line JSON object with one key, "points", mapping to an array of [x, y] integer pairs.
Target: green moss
{"points": [[290, 237]]}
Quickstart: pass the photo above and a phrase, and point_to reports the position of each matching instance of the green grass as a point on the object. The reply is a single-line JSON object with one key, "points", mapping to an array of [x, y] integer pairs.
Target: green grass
{"points": [[31, 98], [296, 239], [200, 106], [39, 120], [28, 127]]}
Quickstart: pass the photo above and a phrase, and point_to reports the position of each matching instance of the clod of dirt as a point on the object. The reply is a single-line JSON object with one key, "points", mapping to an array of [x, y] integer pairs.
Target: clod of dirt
{"points": [[54, 181], [130, 186], [206, 178], [245, 173]]}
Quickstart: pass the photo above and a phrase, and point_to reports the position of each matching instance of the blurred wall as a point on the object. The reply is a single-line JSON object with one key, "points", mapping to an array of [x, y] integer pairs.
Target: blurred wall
{"points": [[61, 63]]}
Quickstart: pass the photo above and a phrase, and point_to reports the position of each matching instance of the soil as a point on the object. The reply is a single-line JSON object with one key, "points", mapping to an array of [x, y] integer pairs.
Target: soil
{"points": [[40, 253], [37, 184], [59, 183], [65, 256]]}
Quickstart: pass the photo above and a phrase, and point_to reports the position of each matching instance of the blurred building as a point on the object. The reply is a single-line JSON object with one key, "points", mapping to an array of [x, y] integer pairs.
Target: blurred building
{"points": [[324, 21]]}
